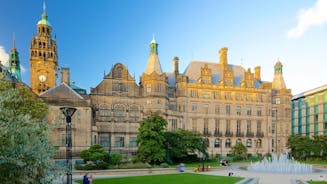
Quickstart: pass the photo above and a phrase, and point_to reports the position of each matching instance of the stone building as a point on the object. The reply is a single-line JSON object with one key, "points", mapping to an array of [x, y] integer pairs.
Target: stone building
{"points": [[309, 112], [61, 96], [225, 103]]}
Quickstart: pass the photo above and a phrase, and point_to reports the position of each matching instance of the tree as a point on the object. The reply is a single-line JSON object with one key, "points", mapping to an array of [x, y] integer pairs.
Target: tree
{"points": [[94, 153], [25, 148], [300, 146], [239, 150], [181, 144], [150, 140]]}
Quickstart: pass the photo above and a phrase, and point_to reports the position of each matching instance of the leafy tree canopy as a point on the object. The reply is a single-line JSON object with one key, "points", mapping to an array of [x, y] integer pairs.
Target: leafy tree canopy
{"points": [[182, 143], [150, 140], [25, 149]]}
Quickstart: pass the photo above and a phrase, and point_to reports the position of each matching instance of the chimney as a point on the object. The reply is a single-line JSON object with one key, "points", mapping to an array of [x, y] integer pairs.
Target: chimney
{"points": [[65, 76], [175, 63], [257, 70]]}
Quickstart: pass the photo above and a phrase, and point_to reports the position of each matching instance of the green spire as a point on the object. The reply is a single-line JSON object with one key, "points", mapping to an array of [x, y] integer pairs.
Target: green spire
{"points": [[14, 63], [44, 19], [153, 46]]}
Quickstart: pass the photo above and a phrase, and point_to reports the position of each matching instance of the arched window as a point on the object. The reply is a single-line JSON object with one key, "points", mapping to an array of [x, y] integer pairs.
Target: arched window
{"points": [[249, 143], [238, 141], [227, 143], [217, 143]]}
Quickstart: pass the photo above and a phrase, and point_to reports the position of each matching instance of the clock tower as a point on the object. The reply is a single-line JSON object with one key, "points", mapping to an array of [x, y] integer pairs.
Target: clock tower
{"points": [[43, 57]]}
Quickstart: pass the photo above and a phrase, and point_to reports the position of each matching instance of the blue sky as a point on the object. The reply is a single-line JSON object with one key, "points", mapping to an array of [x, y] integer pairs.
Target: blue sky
{"points": [[94, 35]]}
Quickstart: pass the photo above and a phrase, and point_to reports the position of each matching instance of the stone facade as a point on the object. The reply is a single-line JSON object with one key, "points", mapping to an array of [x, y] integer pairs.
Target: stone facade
{"points": [[309, 112], [61, 96], [225, 103]]}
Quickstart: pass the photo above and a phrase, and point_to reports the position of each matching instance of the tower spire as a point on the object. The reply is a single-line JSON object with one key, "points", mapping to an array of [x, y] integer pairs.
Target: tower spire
{"points": [[14, 40]]}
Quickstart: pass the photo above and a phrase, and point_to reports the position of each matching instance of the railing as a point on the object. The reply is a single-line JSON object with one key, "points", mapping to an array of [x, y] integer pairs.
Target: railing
{"points": [[239, 134], [260, 134], [229, 134], [206, 133], [249, 134], [218, 133]]}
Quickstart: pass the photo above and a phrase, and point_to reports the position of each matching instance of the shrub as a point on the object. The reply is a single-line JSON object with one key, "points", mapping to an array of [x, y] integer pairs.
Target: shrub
{"points": [[164, 165]]}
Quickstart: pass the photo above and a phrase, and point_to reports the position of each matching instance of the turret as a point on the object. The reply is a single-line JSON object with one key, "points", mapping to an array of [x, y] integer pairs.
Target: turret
{"points": [[153, 61], [14, 63], [278, 82]]}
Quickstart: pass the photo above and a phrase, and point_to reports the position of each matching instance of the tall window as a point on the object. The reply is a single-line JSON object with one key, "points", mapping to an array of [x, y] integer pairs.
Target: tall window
{"points": [[228, 109], [259, 126], [194, 107], [174, 124], [228, 125], [132, 142], [238, 126], [248, 143], [227, 143], [104, 140], [119, 142], [238, 110], [259, 112], [206, 129], [217, 109], [217, 124], [248, 111], [273, 128], [194, 93], [315, 119], [238, 141], [248, 126]]}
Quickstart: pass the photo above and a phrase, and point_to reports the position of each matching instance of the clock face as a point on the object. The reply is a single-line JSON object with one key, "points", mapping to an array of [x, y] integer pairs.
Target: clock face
{"points": [[42, 78]]}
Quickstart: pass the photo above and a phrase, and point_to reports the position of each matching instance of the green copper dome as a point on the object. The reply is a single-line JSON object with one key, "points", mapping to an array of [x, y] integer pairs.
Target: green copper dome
{"points": [[44, 19]]}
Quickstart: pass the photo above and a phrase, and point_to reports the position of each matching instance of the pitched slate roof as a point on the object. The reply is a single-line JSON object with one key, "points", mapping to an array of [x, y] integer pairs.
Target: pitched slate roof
{"points": [[193, 71], [63, 91]]}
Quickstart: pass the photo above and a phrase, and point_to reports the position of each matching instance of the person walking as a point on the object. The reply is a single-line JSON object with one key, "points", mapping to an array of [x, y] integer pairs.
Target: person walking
{"points": [[86, 179]]}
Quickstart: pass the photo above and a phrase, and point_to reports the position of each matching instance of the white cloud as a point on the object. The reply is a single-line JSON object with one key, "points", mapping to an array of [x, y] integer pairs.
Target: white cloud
{"points": [[22, 69], [4, 56], [316, 15]]}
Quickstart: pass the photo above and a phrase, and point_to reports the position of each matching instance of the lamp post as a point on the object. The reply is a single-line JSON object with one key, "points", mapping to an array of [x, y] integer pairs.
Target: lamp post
{"points": [[203, 149], [68, 112]]}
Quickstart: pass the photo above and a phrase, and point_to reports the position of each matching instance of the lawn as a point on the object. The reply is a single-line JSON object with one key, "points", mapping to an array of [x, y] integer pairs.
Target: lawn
{"points": [[181, 178], [317, 182]]}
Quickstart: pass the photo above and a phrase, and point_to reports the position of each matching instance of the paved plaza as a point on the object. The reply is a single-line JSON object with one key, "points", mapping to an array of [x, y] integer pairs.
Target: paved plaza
{"points": [[270, 178]]}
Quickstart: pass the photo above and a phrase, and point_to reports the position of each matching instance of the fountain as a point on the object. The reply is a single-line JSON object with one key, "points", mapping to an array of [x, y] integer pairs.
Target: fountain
{"points": [[280, 165]]}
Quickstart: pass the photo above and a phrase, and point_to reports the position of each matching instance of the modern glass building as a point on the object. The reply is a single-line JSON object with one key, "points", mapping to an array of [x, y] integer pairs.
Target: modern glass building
{"points": [[309, 112]]}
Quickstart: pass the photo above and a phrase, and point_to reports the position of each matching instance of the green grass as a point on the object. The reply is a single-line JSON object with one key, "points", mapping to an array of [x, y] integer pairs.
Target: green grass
{"points": [[315, 162], [317, 182], [181, 178]]}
